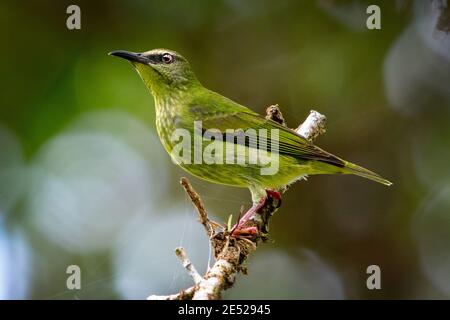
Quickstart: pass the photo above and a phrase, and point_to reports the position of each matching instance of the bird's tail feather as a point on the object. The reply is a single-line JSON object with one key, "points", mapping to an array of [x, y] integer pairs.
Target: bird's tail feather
{"points": [[362, 172]]}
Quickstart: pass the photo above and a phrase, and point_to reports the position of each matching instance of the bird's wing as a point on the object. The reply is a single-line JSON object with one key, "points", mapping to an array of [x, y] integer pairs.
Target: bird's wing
{"points": [[290, 143]]}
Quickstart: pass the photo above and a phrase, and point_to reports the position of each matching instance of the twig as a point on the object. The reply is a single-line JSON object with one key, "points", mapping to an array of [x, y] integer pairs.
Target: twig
{"points": [[187, 264], [441, 8], [186, 294], [232, 252], [274, 113], [313, 126], [198, 204]]}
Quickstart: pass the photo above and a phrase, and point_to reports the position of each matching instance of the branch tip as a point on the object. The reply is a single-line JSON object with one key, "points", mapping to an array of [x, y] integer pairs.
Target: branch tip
{"points": [[187, 264], [313, 126]]}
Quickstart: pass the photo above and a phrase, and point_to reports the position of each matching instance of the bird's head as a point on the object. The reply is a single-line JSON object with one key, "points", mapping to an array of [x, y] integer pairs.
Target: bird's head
{"points": [[161, 70]]}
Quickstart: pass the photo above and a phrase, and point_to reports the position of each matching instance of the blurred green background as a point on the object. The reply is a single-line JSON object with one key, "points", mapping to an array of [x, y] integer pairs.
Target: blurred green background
{"points": [[84, 179]]}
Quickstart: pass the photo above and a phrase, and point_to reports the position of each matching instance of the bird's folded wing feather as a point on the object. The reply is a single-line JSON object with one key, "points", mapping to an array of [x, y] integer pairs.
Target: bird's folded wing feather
{"points": [[290, 143]]}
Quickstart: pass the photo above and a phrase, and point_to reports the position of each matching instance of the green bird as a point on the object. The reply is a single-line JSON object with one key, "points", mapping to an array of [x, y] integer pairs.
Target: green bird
{"points": [[181, 101]]}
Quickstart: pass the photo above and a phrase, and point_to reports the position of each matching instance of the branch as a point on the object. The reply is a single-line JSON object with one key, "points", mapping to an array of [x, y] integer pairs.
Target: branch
{"points": [[198, 204], [441, 8], [231, 252], [185, 294], [187, 264], [313, 126]]}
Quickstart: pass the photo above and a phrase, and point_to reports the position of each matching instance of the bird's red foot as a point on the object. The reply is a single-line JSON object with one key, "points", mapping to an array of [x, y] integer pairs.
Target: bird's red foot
{"points": [[245, 232], [239, 230]]}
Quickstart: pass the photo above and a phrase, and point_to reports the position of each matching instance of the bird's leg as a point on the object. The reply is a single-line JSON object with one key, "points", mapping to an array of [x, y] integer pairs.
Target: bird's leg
{"points": [[239, 229]]}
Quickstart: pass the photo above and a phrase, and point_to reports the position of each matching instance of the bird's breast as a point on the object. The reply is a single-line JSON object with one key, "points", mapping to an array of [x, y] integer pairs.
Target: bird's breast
{"points": [[168, 119]]}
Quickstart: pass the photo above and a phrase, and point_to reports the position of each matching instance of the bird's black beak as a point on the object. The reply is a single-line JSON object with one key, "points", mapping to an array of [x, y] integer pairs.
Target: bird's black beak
{"points": [[130, 56]]}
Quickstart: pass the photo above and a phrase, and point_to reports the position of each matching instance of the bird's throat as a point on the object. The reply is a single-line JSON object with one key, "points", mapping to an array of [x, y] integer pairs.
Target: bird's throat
{"points": [[168, 109]]}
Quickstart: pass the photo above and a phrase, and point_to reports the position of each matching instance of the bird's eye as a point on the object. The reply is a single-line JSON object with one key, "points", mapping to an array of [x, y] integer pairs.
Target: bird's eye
{"points": [[167, 58]]}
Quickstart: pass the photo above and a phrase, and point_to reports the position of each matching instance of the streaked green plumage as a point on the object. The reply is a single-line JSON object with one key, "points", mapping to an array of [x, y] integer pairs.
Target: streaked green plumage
{"points": [[180, 100]]}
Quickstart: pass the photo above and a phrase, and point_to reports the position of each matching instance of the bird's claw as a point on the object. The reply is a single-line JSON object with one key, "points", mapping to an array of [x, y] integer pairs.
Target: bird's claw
{"points": [[239, 230], [245, 232]]}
